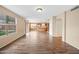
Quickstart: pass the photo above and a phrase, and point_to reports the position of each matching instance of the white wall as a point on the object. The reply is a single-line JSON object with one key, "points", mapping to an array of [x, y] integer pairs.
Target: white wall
{"points": [[51, 26], [57, 27], [72, 28], [27, 27], [67, 26]]}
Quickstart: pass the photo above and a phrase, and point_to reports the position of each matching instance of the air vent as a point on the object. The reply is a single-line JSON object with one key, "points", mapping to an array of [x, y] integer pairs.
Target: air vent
{"points": [[75, 8]]}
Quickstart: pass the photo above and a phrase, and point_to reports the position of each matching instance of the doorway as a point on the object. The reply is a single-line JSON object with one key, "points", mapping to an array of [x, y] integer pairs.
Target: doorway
{"points": [[43, 27]]}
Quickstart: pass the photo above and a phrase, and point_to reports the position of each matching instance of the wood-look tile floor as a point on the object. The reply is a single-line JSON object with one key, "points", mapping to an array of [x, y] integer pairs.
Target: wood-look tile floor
{"points": [[38, 43]]}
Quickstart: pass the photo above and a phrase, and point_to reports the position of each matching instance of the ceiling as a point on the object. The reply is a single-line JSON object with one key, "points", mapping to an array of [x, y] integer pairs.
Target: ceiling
{"points": [[29, 12]]}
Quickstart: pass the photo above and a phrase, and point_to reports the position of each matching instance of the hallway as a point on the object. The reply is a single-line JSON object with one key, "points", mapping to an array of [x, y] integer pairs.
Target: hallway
{"points": [[37, 43], [39, 29]]}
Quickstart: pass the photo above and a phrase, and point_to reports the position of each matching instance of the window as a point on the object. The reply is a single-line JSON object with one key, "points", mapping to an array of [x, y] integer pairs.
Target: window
{"points": [[7, 24]]}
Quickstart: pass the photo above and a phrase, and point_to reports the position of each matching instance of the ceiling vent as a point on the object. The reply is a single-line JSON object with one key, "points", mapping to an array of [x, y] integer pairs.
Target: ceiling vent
{"points": [[75, 8]]}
